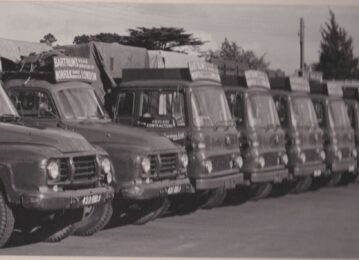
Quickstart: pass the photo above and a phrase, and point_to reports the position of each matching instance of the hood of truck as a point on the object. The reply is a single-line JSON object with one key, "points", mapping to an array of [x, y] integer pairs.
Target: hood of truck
{"points": [[110, 133], [272, 138], [63, 141]]}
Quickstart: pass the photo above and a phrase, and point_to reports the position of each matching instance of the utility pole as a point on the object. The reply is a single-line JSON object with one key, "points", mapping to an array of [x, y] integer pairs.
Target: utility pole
{"points": [[301, 42]]}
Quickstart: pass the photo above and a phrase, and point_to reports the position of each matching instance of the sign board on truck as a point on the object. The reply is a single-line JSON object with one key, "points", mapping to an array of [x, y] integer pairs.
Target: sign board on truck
{"points": [[256, 78], [203, 71], [74, 68], [299, 84]]}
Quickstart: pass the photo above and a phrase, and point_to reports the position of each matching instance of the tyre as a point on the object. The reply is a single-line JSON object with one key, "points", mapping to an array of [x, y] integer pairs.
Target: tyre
{"points": [[142, 212], [7, 221], [334, 179], [95, 218], [213, 198], [302, 184], [260, 191]]}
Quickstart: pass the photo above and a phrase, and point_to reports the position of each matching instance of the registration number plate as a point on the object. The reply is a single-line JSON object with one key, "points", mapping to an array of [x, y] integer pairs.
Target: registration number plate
{"points": [[351, 168], [174, 189], [91, 199], [317, 173]]}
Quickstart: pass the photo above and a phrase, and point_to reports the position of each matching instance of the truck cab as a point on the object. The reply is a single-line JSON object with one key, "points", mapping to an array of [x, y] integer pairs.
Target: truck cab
{"points": [[338, 138], [262, 141], [188, 106], [148, 168], [302, 133], [47, 178]]}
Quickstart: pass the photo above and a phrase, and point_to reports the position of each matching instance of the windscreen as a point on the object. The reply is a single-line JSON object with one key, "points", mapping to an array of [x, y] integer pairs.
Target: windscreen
{"points": [[262, 111], [210, 107], [338, 114], [80, 103], [304, 113]]}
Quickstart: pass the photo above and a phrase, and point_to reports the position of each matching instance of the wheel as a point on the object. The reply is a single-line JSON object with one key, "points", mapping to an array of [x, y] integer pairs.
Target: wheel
{"points": [[95, 218], [7, 221], [260, 191], [302, 184], [142, 212], [213, 198], [164, 209], [183, 204], [334, 179]]}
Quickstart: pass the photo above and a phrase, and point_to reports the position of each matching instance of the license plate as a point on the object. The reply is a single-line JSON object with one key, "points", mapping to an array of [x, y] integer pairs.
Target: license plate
{"points": [[173, 189], [317, 173], [91, 199], [351, 168]]}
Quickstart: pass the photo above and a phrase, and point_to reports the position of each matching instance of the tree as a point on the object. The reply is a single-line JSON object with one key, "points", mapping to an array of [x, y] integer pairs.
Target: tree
{"points": [[245, 59], [336, 59], [48, 39], [155, 38]]}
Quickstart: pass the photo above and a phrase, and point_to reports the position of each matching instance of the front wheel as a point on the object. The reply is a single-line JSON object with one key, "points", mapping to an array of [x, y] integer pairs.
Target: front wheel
{"points": [[95, 218], [7, 221], [302, 184], [142, 212], [260, 191], [334, 179], [213, 198]]}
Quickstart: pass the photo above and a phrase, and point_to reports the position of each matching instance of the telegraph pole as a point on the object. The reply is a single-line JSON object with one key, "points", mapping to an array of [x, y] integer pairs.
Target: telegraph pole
{"points": [[301, 42]]}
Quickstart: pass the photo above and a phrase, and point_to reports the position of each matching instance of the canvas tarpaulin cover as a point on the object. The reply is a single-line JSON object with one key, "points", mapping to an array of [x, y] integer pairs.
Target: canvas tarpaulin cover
{"points": [[110, 59], [167, 59]]}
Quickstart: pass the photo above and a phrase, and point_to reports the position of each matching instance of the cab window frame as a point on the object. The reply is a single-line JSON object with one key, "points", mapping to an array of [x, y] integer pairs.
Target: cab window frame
{"points": [[242, 95]]}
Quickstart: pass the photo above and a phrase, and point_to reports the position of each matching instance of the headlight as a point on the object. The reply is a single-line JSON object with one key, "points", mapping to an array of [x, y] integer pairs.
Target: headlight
{"points": [[238, 161], [145, 164], [208, 165], [184, 160], [53, 169], [261, 162], [355, 153], [106, 169], [302, 157], [339, 155], [322, 155], [284, 159]]}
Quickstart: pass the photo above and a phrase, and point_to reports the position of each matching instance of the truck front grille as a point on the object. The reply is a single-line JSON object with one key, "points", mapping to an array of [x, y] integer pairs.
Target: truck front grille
{"points": [[271, 159], [164, 165], [221, 163], [311, 155]]}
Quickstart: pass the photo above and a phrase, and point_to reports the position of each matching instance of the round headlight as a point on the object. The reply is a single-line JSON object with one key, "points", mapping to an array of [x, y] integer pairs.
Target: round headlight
{"points": [[339, 155], [238, 161], [106, 166], [355, 153], [284, 159], [184, 160], [53, 170], [146, 164], [303, 158], [262, 162], [322, 155], [208, 165]]}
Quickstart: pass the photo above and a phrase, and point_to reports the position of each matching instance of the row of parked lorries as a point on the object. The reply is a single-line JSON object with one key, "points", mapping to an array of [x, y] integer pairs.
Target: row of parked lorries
{"points": [[66, 167]]}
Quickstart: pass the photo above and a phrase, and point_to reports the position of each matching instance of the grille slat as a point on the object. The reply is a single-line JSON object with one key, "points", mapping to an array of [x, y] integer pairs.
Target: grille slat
{"points": [[84, 169], [165, 166], [271, 159]]}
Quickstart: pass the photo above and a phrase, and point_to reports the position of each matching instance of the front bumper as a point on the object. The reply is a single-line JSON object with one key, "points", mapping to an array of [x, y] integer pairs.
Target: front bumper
{"points": [[59, 200], [276, 175], [347, 165], [156, 189], [219, 181], [316, 169]]}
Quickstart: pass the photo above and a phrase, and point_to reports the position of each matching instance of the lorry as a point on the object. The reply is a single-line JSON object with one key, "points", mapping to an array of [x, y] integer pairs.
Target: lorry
{"points": [[338, 138], [148, 168], [47, 178], [262, 141], [188, 106], [302, 133]]}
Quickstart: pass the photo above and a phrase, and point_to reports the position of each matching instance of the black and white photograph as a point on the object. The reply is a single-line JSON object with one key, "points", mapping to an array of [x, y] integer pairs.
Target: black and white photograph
{"points": [[184, 129]]}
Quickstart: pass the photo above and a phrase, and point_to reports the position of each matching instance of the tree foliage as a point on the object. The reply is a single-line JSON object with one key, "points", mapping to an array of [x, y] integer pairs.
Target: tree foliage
{"points": [[155, 38], [246, 59], [48, 39], [336, 59]]}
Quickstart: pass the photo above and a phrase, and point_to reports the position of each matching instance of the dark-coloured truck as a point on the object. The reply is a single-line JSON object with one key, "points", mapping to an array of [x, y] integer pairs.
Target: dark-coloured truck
{"points": [[262, 140], [148, 168], [338, 138], [302, 132], [47, 178], [188, 106]]}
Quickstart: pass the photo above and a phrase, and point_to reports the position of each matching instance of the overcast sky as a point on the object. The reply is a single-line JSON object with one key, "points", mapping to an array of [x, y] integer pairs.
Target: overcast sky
{"points": [[270, 30]]}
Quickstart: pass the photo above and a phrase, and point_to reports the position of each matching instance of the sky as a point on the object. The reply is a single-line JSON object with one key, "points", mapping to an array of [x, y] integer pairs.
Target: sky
{"points": [[270, 30]]}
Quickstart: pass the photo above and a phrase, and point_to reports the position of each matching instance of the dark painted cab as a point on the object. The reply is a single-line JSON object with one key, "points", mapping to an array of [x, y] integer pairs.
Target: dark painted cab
{"points": [[47, 177], [148, 167], [262, 141], [302, 132], [188, 106], [338, 138]]}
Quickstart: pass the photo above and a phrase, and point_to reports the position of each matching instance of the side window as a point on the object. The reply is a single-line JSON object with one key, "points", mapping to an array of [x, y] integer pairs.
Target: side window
{"points": [[125, 104], [281, 106], [319, 110], [236, 105], [351, 114], [33, 103]]}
